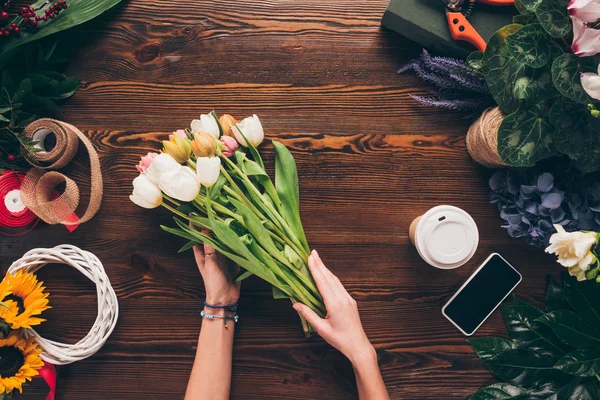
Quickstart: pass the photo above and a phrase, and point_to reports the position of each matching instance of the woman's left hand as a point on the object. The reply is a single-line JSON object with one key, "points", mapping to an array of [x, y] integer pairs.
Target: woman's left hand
{"points": [[218, 275]]}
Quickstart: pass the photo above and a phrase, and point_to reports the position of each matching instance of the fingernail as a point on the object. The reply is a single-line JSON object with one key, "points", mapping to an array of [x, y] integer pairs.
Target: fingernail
{"points": [[296, 307]]}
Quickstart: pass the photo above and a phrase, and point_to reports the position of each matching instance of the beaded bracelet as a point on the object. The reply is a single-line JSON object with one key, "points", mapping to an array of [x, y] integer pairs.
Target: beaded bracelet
{"points": [[235, 318], [229, 307]]}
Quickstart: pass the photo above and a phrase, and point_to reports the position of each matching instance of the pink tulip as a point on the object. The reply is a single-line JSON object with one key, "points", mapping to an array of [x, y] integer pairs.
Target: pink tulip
{"points": [[585, 15], [231, 145], [145, 162], [180, 133]]}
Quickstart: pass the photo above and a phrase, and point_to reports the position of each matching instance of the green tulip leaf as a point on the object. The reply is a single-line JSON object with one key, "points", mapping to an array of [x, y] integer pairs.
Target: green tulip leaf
{"points": [[572, 329], [566, 78], [525, 137], [581, 362], [576, 134], [552, 15], [530, 45]]}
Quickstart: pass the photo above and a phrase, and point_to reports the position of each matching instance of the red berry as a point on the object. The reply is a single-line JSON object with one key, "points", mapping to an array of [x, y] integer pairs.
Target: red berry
{"points": [[11, 157], [24, 9], [17, 29], [3, 15], [45, 18], [47, 12], [51, 15], [33, 23]]}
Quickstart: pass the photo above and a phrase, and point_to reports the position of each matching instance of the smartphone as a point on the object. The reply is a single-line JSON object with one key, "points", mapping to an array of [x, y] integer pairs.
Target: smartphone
{"points": [[481, 294]]}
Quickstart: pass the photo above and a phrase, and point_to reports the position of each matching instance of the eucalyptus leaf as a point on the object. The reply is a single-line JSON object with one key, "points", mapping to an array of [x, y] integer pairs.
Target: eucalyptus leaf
{"points": [[525, 137], [566, 78], [552, 15], [530, 45]]}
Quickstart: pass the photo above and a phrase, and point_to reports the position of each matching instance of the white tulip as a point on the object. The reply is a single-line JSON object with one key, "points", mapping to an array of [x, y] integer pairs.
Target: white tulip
{"points": [[573, 250], [208, 170], [180, 184], [251, 128], [160, 164], [207, 124], [145, 192]]}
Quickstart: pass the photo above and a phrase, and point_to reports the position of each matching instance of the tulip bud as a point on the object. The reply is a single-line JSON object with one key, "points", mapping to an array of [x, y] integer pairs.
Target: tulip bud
{"points": [[179, 132], [178, 147], [231, 145], [145, 193], [252, 130], [145, 162], [227, 121], [208, 170], [181, 184], [204, 145], [207, 124]]}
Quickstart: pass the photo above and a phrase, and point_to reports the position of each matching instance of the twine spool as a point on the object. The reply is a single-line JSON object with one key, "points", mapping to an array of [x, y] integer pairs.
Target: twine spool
{"points": [[482, 139], [108, 306], [39, 187]]}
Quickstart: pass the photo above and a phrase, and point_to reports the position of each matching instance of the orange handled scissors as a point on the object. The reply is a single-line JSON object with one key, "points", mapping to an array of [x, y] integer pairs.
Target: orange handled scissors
{"points": [[457, 13]]}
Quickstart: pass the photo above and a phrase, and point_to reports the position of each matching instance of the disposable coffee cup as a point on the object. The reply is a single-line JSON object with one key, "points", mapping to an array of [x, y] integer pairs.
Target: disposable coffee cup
{"points": [[446, 237]]}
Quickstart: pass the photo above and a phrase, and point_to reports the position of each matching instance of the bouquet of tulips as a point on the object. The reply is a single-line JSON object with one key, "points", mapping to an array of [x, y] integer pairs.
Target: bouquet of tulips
{"points": [[213, 177]]}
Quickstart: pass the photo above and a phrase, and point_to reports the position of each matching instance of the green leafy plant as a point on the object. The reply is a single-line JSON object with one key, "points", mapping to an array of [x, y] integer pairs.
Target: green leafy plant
{"points": [[32, 87], [535, 79], [550, 355]]}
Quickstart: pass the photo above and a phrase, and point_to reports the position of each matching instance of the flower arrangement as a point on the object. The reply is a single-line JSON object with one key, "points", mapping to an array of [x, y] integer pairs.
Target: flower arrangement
{"points": [[23, 300], [577, 251], [541, 71], [212, 177]]}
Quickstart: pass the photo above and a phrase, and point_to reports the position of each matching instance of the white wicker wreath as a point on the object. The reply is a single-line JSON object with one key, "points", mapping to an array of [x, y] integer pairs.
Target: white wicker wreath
{"points": [[108, 307]]}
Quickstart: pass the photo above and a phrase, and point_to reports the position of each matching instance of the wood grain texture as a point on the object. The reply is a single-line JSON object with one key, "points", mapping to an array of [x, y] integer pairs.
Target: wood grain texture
{"points": [[322, 77]]}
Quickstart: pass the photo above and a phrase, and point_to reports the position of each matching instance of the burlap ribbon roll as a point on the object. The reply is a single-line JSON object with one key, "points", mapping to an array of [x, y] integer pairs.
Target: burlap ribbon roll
{"points": [[38, 191], [482, 139]]}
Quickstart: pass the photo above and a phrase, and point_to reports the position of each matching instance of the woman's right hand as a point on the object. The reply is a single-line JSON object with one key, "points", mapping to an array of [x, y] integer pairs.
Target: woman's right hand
{"points": [[341, 328]]}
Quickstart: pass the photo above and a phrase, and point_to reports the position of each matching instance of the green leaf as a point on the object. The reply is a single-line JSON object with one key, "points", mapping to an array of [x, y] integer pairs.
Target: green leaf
{"points": [[581, 362], [511, 82], [566, 78], [584, 297], [278, 294], [530, 45], [520, 6], [555, 296], [576, 134], [571, 329], [78, 12], [525, 137], [475, 60], [524, 19], [500, 391], [243, 275], [490, 346], [531, 5], [187, 246], [286, 183], [68, 87], [552, 15]]}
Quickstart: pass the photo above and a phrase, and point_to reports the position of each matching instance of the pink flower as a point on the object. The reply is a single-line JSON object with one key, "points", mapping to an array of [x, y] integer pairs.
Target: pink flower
{"points": [[180, 133], [585, 15], [591, 83], [231, 145], [145, 162]]}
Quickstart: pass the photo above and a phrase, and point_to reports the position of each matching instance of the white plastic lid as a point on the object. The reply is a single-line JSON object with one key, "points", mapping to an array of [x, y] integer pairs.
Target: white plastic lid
{"points": [[446, 237]]}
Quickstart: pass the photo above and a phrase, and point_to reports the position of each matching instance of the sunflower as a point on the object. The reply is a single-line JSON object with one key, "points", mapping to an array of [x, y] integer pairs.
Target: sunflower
{"points": [[19, 361], [27, 299]]}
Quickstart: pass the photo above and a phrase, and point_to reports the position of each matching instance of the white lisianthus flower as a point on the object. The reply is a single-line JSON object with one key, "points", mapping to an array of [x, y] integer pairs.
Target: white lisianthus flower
{"points": [[161, 164], [207, 124], [251, 128], [573, 250], [208, 170], [181, 184], [145, 192]]}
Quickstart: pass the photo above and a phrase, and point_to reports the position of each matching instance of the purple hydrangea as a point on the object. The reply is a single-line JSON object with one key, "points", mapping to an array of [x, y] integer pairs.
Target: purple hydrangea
{"points": [[530, 203]]}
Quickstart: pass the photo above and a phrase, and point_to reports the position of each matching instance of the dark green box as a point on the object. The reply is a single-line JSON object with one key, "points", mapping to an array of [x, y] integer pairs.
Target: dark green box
{"points": [[424, 21]]}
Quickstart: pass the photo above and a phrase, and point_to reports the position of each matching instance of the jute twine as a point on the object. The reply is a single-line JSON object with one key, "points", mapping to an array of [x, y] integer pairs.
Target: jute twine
{"points": [[38, 191], [482, 139]]}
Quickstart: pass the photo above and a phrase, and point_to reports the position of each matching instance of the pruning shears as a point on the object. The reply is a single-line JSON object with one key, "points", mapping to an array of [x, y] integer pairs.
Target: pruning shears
{"points": [[458, 12]]}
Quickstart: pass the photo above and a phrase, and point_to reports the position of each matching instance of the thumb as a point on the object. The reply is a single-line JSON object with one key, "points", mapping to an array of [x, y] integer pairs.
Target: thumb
{"points": [[311, 317]]}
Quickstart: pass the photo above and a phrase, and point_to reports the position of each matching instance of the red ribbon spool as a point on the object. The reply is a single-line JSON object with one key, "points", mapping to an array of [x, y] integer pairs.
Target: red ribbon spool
{"points": [[13, 214]]}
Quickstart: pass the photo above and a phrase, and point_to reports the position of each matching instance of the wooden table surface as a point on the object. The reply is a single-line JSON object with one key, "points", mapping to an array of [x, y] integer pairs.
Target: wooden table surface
{"points": [[322, 77]]}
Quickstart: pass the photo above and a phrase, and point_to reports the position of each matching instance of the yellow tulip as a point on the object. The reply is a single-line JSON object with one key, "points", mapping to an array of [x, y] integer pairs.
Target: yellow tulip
{"points": [[178, 147], [204, 145], [227, 121]]}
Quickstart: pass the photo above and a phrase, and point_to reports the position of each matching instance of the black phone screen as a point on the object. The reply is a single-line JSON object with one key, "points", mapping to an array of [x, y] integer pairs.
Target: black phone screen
{"points": [[484, 292]]}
